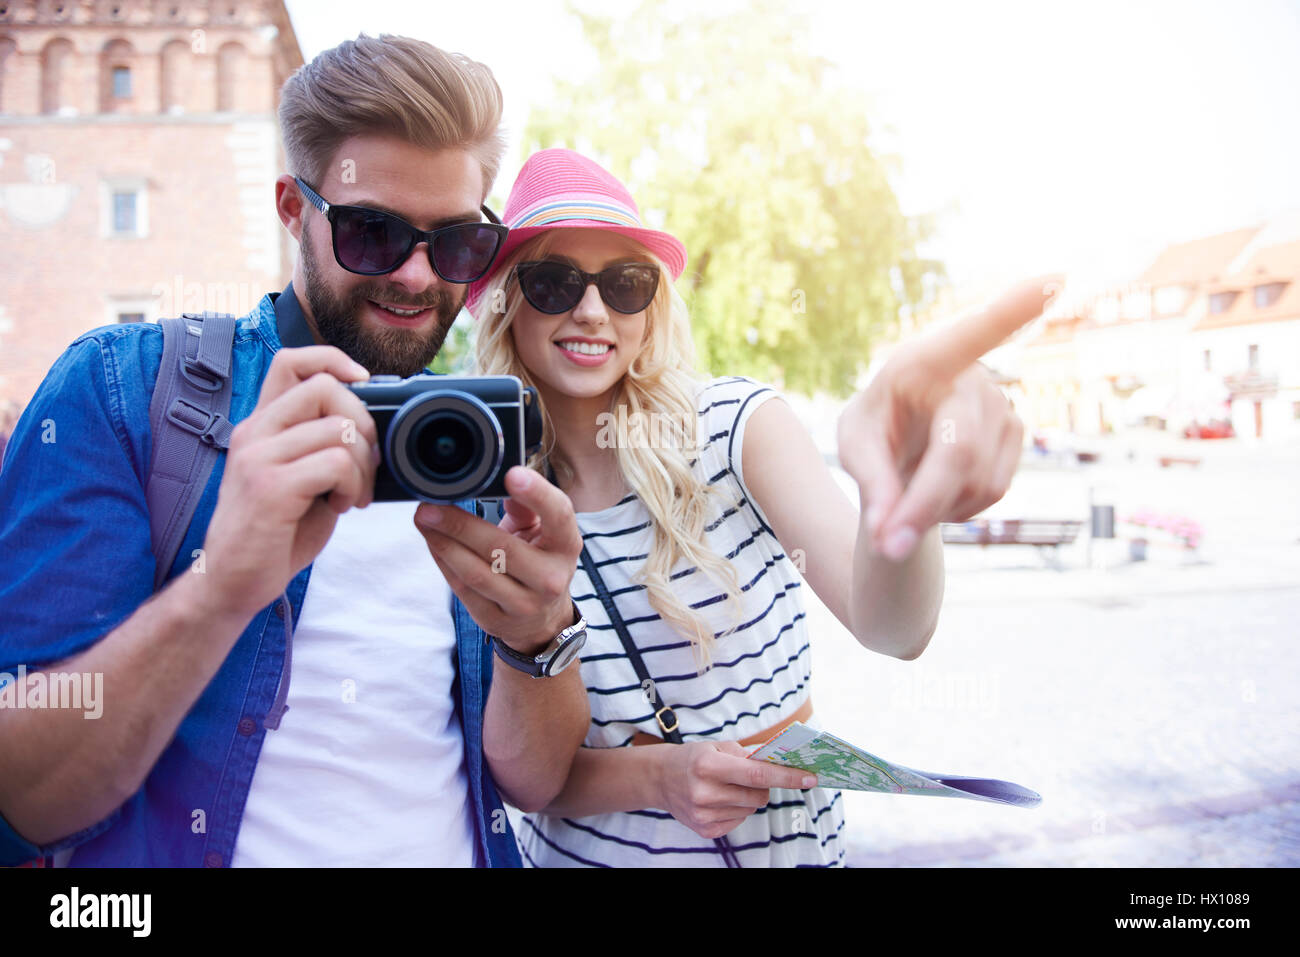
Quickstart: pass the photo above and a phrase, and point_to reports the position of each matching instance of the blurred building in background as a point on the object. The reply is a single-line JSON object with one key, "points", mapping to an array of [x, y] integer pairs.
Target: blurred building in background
{"points": [[1207, 335], [138, 152]]}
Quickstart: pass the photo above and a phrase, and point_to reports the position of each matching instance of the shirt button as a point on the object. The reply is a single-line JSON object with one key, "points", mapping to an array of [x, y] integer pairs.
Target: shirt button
{"points": [[247, 726], [212, 859], [278, 608]]}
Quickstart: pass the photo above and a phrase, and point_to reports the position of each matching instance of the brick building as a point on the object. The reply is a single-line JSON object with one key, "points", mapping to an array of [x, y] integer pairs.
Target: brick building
{"points": [[138, 148]]}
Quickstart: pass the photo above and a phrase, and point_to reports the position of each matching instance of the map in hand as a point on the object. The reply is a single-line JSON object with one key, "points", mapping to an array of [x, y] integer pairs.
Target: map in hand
{"points": [[839, 764]]}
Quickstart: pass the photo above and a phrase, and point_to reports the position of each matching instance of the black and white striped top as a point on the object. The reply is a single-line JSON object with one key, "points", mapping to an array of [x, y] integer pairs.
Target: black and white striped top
{"points": [[760, 673]]}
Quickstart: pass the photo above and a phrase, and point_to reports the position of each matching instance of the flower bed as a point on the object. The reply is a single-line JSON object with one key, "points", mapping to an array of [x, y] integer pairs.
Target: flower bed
{"points": [[1162, 528]]}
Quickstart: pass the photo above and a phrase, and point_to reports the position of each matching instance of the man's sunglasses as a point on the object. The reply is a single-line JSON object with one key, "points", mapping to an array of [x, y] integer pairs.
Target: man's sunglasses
{"points": [[553, 287], [370, 242]]}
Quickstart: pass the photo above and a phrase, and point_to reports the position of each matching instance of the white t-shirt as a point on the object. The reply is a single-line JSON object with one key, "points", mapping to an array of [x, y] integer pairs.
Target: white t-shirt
{"points": [[367, 767]]}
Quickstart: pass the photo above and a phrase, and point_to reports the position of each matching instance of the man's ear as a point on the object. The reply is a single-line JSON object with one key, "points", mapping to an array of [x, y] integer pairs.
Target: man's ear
{"points": [[289, 205]]}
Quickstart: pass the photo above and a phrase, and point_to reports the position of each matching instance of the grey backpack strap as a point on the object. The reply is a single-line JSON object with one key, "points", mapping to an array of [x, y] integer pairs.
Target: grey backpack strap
{"points": [[188, 417]]}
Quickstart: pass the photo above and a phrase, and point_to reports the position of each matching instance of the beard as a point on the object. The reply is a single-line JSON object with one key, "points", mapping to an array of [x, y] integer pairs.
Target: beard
{"points": [[391, 351]]}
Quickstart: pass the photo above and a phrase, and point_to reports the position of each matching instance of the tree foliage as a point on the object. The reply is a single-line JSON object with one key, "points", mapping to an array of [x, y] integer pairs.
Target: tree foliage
{"points": [[746, 147], [456, 357]]}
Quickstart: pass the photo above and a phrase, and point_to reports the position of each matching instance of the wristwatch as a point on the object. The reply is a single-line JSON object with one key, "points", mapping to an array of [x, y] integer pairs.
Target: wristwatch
{"points": [[555, 657]]}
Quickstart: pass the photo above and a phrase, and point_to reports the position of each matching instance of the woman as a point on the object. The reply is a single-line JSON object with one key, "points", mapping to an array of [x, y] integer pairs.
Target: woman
{"points": [[701, 502]]}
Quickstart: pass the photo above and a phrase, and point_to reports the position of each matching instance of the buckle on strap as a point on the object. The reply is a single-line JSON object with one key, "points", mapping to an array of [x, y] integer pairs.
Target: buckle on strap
{"points": [[212, 428], [664, 724], [208, 368]]}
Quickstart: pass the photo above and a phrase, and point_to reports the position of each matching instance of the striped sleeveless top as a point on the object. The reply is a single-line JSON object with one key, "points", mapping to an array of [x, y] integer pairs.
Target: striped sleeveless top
{"points": [[759, 675]]}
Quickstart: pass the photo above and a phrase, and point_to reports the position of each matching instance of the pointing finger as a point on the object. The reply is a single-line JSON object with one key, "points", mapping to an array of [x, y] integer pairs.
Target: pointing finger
{"points": [[948, 353]]}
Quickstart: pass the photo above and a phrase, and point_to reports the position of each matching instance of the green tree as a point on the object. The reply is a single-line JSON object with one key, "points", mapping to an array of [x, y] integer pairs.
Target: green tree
{"points": [[752, 152], [456, 357]]}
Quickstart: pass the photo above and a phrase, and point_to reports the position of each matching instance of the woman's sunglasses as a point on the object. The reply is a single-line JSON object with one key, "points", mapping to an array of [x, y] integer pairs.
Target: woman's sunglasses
{"points": [[370, 242], [553, 287]]}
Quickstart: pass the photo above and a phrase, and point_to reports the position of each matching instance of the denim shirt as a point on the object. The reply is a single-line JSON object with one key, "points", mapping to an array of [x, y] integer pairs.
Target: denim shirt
{"points": [[76, 561]]}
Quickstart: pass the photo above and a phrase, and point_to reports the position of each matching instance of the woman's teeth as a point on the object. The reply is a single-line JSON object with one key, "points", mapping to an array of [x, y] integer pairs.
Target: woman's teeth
{"points": [[586, 348]]}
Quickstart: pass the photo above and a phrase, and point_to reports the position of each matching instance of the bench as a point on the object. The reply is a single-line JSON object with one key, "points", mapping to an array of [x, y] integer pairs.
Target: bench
{"points": [[1043, 534]]}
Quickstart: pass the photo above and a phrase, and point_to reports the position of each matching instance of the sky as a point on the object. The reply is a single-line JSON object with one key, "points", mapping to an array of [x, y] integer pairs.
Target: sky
{"points": [[1044, 136]]}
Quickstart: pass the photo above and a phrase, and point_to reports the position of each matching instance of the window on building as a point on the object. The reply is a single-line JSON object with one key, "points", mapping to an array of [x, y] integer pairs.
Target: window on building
{"points": [[122, 82], [1268, 293], [137, 307], [58, 94], [124, 208], [230, 70], [1253, 357], [125, 220], [7, 48], [1207, 360], [1222, 301]]}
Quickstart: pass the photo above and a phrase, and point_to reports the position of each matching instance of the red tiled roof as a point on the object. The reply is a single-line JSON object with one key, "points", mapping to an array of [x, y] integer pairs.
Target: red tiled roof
{"points": [[1278, 263], [1197, 261]]}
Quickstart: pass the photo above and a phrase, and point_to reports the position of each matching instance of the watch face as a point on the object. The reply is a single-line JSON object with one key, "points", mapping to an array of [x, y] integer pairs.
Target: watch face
{"points": [[567, 654]]}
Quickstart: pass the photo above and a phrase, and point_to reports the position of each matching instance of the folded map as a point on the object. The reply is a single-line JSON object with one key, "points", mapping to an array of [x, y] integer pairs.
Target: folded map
{"points": [[839, 764]]}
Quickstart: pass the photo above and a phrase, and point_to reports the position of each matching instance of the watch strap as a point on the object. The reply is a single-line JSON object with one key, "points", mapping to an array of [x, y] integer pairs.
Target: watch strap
{"points": [[536, 665]]}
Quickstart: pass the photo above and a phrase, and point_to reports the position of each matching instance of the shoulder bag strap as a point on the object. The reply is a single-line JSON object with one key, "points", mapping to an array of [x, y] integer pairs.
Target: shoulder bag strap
{"points": [[663, 714], [188, 417]]}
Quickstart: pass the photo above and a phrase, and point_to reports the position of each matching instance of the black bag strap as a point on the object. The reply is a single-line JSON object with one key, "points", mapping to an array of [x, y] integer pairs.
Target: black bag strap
{"points": [[189, 420], [669, 723], [665, 715]]}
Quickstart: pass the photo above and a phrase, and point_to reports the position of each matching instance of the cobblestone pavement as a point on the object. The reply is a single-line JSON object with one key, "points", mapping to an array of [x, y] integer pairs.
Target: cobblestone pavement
{"points": [[1154, 705]]}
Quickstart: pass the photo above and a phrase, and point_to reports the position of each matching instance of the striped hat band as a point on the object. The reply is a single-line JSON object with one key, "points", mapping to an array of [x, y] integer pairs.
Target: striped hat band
{"points": [[576, 209]]}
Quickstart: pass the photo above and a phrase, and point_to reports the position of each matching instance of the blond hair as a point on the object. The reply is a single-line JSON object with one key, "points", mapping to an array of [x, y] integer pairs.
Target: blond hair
{"points": [[396, 86], [661, 382]]}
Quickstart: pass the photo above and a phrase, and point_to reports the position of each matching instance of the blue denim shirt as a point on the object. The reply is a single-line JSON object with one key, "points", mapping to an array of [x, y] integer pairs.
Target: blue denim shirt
{"points": [[76, 561]]}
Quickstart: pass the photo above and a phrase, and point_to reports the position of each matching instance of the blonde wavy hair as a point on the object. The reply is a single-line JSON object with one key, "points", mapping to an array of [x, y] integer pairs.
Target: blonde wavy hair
{"points": [[662, 382]]}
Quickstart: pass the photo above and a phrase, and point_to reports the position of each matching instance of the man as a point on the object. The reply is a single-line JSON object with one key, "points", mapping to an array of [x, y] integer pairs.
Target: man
{"points": [[391, 746]]}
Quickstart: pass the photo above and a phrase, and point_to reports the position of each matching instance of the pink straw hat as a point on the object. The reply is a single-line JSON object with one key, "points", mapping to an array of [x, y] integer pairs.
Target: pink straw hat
{"points": [[558, 189]]}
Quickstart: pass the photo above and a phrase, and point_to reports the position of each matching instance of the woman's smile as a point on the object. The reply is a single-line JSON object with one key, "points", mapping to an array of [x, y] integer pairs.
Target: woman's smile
{"points": [[585, 352]]}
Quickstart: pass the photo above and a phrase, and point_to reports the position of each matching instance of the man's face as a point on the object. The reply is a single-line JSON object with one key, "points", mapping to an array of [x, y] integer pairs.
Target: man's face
{"points": [[426, 188]]}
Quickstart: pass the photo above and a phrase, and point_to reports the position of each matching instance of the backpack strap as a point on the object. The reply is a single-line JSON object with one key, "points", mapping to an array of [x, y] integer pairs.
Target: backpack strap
{"points": [[188, 417]]}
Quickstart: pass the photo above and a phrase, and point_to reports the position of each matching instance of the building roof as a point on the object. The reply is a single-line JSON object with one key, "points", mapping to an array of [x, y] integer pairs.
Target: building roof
{"points": [[1277, 263], [1228, 261], [1198, 261], [1051, 330]]}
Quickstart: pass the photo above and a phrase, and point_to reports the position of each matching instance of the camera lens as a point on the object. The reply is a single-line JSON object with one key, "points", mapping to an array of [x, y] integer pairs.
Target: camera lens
{"points": [[444, 445]]}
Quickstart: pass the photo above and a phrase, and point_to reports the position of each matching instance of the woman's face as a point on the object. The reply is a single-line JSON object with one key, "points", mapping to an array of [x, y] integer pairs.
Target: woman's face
{"points": [[544, 342]]}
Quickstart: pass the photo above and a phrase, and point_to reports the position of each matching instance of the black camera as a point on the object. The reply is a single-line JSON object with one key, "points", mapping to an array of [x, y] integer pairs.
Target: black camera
{"points": [[446, 438]]}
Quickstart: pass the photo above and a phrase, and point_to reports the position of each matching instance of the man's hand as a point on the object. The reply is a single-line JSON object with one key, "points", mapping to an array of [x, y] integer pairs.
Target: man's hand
{"points": [[932, 438], [304, 457], [712, 787], [514, 577]]}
